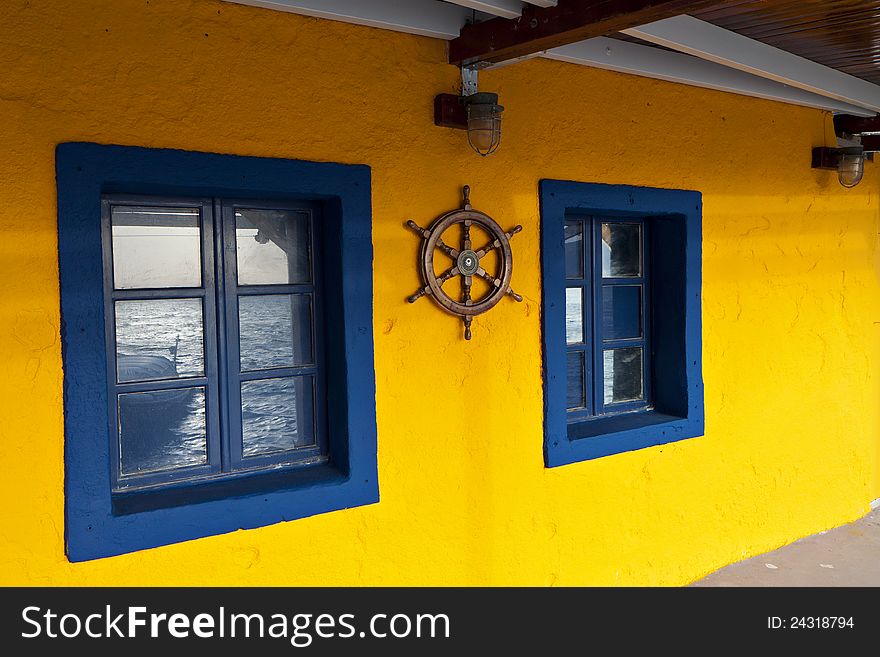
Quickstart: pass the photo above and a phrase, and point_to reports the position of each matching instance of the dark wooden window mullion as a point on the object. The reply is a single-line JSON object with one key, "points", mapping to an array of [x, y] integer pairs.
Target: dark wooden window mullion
{"points": [[622, 343], [209, 338], [586, 321], [320, 403], [647, 314], [596, 356], [278, 373], [588, 313], [110, 346], [221, 331], [162, 384], [232, 358], [290, 288], [634, 280], [151, 294]]}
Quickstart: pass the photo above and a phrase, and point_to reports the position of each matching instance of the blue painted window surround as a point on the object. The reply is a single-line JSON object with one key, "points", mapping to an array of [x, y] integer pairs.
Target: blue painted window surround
{"points": [[229, 384], [621, 272]]}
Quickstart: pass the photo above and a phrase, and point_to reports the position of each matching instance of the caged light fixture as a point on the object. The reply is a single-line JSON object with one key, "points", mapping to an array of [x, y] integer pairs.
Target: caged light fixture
{"points": [[477, 112], [849, 162], [850, 166]]}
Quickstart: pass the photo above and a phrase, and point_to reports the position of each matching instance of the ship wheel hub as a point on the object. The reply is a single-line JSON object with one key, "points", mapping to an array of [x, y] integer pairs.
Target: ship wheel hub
{"points": [[468, 263]]}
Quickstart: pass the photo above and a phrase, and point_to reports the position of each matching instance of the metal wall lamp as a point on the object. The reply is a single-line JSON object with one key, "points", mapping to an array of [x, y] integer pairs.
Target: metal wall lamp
{"points": [[477, 112], [849, 162], [858, 140]]}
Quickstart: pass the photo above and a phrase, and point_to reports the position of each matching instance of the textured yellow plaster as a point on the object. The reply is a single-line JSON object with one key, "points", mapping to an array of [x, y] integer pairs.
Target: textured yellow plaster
{"points": [[790, 301]]}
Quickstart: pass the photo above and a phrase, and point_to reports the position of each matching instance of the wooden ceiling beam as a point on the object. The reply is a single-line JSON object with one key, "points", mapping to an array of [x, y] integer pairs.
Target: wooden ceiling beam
{"points": [[847, 124], [542, 28]]}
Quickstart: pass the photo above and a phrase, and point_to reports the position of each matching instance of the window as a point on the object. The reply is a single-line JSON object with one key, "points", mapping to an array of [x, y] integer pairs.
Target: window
{"points": [[174, 373], [607, 306], [621, 321], [217, 343]]}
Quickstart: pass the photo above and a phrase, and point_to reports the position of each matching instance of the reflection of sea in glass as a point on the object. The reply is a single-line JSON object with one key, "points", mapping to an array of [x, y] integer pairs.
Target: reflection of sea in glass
{"points": [[574, 315], [162, 430], [623, 375], [621, 250], [575, 381], [275, 331], [272, 247], [159, 339], [277, 415], [156, 247]]}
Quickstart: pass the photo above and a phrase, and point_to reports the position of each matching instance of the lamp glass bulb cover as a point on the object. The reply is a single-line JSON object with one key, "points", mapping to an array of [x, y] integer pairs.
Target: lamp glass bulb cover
{"points": [[484, 135], [484, 122], [851, 167]]}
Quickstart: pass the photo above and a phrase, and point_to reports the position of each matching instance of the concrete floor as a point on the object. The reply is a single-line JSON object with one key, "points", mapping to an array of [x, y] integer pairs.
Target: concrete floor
{"points": [[844, 556]]}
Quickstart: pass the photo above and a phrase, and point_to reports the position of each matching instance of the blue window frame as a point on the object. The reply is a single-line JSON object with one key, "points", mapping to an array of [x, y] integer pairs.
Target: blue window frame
{"points": [[621, 323], [211, 335]]}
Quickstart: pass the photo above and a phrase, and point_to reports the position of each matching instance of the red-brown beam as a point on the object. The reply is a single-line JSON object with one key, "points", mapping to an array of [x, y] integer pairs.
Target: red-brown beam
{"points": [[871, 143], [855, 125], [541, 28]]}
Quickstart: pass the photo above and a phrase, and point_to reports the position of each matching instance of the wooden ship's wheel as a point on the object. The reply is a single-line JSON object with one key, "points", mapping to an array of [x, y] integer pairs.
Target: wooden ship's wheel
{"points": [[465, 262]]}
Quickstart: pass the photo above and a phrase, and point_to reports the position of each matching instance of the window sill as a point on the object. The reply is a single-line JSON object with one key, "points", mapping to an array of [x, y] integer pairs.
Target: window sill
{"points": [[193, 492], [601, 426], [627, 432]]}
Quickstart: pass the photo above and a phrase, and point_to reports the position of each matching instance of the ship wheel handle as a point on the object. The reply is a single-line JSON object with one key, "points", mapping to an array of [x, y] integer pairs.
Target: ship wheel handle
{"points": [[466, 262]]}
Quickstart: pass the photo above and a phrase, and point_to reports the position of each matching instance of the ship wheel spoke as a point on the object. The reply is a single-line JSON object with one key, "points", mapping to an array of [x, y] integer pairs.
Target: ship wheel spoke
{"points": [[491, 280], [491, 246], [466, 282], [496, 283], [418, 295], [445, 276], [441, 245], [494, 244], [448, 250]]}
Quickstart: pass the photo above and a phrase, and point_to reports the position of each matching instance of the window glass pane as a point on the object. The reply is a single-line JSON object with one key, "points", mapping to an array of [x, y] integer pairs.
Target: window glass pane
{"points": [[575, 380], [574, 315], [621, 250], [277, 415], [623, 375], [162, 430], [156, 247], [574, 249], [621, 312], [275, 331], [159, 339], [272, 246]]}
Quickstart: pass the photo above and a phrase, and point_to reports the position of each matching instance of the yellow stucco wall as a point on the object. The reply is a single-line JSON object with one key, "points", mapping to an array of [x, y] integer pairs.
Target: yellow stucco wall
{"points": [[790, 301]]}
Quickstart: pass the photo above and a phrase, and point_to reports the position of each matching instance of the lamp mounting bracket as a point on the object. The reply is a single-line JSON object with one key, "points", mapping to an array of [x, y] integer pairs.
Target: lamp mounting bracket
{"points": [[469, 80]]}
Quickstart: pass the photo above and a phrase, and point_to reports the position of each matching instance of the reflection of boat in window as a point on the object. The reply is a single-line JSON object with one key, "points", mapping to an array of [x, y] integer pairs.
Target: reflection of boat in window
{"points": [[148, 421], [145, 367]]}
